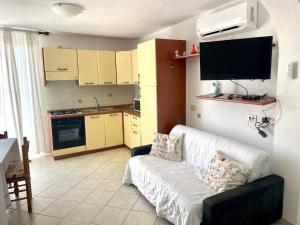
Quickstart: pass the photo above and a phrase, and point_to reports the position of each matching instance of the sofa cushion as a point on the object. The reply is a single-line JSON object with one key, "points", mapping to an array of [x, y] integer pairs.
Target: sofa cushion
{"points": [[224, 173], [172, 187], [167, 147], [199, 148]]}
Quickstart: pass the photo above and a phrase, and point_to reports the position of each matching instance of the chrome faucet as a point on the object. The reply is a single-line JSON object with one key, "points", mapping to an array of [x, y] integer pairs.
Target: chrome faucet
{"points": [[98, 106]]}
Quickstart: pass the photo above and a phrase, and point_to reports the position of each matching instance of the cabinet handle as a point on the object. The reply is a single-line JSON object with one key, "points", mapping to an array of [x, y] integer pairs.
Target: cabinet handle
{"points": [[126, 115], [125, 82], [62, 69], [76, 77], [134, 125], [136, 82], [113, 114], [135, 132], [89, 83], [107, 82], [134, 118], [94, 117]]}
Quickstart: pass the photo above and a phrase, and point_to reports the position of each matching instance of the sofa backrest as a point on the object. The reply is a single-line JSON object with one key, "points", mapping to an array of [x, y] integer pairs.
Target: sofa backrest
{"points": [[199, 148]]}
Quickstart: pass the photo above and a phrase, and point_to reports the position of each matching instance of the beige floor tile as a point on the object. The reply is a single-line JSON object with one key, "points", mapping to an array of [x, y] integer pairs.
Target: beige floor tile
{"points": [[84, 213], [76, 194], [69, 180], [38, 204], [123, 201], [55, 191], [59, 209], [131, 190], [51, 178], [99, 197], [162, 221], [90, 182], [142, 204], [111, 216], [19, 218], [70, 222], [44, 220], [140, 218], [109, 186], [39, 187]]}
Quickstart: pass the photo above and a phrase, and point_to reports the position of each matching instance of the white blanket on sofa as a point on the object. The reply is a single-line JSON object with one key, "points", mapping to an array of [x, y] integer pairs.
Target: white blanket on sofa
{"points": [[173, 187]]}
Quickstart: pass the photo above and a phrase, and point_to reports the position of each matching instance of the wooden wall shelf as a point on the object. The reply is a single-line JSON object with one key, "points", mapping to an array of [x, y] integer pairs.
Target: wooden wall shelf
{"points": [[238, 99], [186, 56]]}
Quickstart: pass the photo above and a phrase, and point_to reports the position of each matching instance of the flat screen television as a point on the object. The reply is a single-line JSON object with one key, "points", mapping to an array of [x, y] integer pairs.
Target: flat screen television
{"points": [[239, 59]]}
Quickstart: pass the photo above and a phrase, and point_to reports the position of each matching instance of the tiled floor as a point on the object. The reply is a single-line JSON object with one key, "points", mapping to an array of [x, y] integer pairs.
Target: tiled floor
{"points": [[85, 190]]}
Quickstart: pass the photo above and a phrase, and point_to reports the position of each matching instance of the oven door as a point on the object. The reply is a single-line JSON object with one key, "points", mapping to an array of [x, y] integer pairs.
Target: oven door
{"points": [[68, 132]]}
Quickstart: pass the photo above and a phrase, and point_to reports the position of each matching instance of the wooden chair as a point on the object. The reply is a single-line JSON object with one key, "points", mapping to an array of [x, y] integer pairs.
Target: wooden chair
{"points": [[4, 136], [20, 171]]}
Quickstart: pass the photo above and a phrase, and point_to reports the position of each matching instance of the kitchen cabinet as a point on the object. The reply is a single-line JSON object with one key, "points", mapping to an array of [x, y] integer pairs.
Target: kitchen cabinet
{"points": [[147, 63], [95, 131], [127, 129], [113, 129], [88, 67], [124, 67], [107, 67], [60, 64], [163, 87], [132, 134], [135, 72]]}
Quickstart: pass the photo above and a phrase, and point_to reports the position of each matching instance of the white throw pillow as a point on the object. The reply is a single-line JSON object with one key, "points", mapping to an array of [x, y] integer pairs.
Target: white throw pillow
{"points": [[224, 173], [167, 147]]}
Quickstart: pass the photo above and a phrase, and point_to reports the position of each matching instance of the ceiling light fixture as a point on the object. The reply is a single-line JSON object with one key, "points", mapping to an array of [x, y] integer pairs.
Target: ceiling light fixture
{"points": [[67, 9]]}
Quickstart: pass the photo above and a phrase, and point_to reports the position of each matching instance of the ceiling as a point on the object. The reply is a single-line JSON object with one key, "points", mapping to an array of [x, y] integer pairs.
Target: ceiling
{"points": [[113, 18]]}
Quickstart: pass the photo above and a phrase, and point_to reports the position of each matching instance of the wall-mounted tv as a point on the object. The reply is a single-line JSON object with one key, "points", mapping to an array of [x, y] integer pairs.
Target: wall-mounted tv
{"points": [[239, 59]]}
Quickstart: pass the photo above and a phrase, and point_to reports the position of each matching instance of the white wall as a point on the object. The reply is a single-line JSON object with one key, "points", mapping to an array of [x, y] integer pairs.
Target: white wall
{"points": [[275, 17], [226, 119], [286, 19], [66, 94]]}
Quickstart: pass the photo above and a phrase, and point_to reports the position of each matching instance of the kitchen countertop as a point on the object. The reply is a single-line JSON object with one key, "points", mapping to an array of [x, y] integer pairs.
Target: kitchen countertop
{"points": [[89, 111]]}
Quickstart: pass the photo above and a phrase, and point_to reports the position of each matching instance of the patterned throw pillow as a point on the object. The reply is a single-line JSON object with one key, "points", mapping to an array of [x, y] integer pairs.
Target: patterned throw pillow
{"points": [[167, 147], [224, 173]]}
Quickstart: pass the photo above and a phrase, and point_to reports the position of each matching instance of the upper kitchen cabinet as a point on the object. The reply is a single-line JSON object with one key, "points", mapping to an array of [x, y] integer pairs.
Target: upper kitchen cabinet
{"points": [[135, 72], [107, 67], [124, 67], [60, 64], [88, 67], [147, 63]]}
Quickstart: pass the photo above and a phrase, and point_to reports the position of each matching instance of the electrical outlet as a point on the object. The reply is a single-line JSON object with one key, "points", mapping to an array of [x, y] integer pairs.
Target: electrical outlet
{"points": [[193, 108], [252, 118]]}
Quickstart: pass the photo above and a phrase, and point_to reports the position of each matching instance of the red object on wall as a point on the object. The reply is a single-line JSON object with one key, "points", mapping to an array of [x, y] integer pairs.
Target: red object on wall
{"points": [[194, 50]]}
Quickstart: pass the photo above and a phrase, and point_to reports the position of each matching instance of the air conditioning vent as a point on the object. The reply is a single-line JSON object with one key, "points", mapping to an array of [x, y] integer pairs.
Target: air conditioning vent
{"points": [[237, 18]]}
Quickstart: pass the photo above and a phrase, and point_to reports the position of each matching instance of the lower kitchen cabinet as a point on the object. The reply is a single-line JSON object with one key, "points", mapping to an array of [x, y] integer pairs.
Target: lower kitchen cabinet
{"points": [[132, 135], [95, 132], [113, 129]]}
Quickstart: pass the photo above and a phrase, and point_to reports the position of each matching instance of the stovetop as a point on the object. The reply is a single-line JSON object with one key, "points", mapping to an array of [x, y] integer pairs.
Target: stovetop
{"points": [[65, 112]]}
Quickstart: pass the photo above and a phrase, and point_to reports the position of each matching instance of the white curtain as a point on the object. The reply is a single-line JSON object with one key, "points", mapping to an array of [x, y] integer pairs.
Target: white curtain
{"points": [[20, 80]]}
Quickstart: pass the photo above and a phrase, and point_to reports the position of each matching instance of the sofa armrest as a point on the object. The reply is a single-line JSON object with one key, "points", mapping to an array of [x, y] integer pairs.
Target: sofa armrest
{"points": [[142, 150], [259, 202]]}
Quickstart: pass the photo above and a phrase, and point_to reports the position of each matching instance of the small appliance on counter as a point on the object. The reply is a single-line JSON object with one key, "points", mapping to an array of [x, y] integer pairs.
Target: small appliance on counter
{"points": [[137, 105]]}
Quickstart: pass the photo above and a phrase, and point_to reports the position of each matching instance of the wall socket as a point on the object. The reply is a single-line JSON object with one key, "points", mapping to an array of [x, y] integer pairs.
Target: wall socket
{"points": [[252, 118]]}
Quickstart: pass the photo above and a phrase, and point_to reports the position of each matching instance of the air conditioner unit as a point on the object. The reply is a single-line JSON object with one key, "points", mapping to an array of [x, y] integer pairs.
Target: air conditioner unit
{"points": [[236, 18]]}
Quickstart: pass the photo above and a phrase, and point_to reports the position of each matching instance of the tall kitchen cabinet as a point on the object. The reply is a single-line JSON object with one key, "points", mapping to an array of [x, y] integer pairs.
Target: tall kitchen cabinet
{"points": [[163, 87]]}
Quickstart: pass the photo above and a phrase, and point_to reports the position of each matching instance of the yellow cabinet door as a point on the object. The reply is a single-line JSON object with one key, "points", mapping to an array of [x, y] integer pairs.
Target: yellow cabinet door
{"points": [[107, 67], [135, 72], [113, 129], [95, 131], [147, 63], [135, 139], [60, 64], [124, 67], [127, 129], [88, 67], [148, 114]]}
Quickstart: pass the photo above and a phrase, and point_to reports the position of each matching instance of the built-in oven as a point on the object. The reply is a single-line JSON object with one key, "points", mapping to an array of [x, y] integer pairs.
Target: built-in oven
{"points": [[68, 132]]}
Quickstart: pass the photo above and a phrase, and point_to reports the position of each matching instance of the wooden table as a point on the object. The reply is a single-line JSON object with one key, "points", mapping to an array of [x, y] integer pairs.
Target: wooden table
{"points": [[9, 151]]}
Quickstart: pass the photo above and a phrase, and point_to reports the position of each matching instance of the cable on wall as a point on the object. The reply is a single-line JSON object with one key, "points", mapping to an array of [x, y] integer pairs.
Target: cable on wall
{"points": [[247, 93]]}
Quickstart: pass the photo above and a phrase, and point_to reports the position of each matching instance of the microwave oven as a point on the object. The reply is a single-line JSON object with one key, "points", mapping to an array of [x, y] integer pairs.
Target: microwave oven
{"points": [[137, 105]]}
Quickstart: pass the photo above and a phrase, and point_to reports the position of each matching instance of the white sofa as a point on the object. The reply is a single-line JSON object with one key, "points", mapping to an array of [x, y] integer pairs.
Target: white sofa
{"points": [[174, 187]]}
